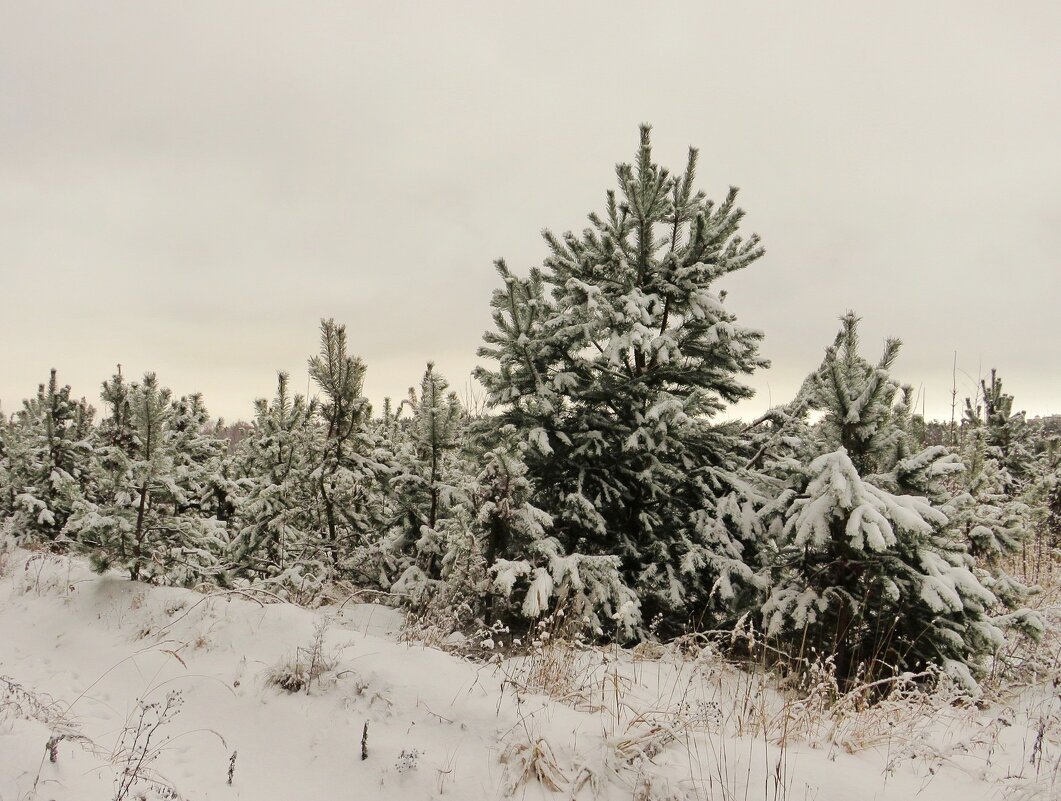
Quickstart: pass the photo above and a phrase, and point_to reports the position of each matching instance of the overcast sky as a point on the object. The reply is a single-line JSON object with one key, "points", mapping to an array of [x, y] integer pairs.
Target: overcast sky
{"points": [[190, 187]]}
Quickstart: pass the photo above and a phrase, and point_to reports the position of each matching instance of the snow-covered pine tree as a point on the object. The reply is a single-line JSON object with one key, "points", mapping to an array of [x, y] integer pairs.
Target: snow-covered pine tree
{"points": [[429, 470], [995, 523], [1004, 432], [389, 430], [198, 455], [199, 492], [1002, 485], [1044, 497], [144, 515], [124, 527], [351, 469], [47, 451], [276, 536], [868, 566], [1050, 504], [7, 493], [613, 358], [116, 429]]}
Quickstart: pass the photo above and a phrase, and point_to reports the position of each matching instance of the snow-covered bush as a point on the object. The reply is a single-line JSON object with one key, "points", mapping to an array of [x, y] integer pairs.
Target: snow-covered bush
{"points": [[588, 588], [530, 572]]}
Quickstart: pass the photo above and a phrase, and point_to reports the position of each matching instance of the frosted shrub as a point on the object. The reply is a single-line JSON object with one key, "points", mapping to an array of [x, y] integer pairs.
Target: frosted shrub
{"points": [[589, 588]]}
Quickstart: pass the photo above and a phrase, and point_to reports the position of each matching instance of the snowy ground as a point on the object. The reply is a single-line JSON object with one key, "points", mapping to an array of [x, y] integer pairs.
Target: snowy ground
{"points": [[79, 653]]}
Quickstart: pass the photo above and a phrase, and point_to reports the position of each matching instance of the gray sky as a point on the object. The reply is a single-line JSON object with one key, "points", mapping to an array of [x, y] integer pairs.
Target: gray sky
{"points": [[190, 187]]}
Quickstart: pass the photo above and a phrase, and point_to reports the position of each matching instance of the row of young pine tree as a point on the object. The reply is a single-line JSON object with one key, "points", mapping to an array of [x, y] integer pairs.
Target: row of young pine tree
{"points": [[599, 483]]}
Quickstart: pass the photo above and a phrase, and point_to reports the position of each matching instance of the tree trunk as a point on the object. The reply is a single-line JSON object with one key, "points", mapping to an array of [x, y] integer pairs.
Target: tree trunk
{"points": [[138, 535]]}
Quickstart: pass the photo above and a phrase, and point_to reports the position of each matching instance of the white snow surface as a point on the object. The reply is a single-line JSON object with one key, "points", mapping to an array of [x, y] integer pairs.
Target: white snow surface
{"points": [[650, 725]]}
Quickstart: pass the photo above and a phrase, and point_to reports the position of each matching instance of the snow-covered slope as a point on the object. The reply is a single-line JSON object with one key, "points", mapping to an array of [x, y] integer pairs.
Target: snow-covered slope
{"points": [[81, 654]]}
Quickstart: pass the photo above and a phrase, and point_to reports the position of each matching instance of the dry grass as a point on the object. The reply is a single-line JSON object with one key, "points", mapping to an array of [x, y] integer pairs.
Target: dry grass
{"points": [[308, 665], [17, 701], [531, 759], [730, 721]]}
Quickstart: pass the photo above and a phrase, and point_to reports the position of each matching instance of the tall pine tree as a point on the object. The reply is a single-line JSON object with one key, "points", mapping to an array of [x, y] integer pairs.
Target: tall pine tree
{"points": [[612, 359]]}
